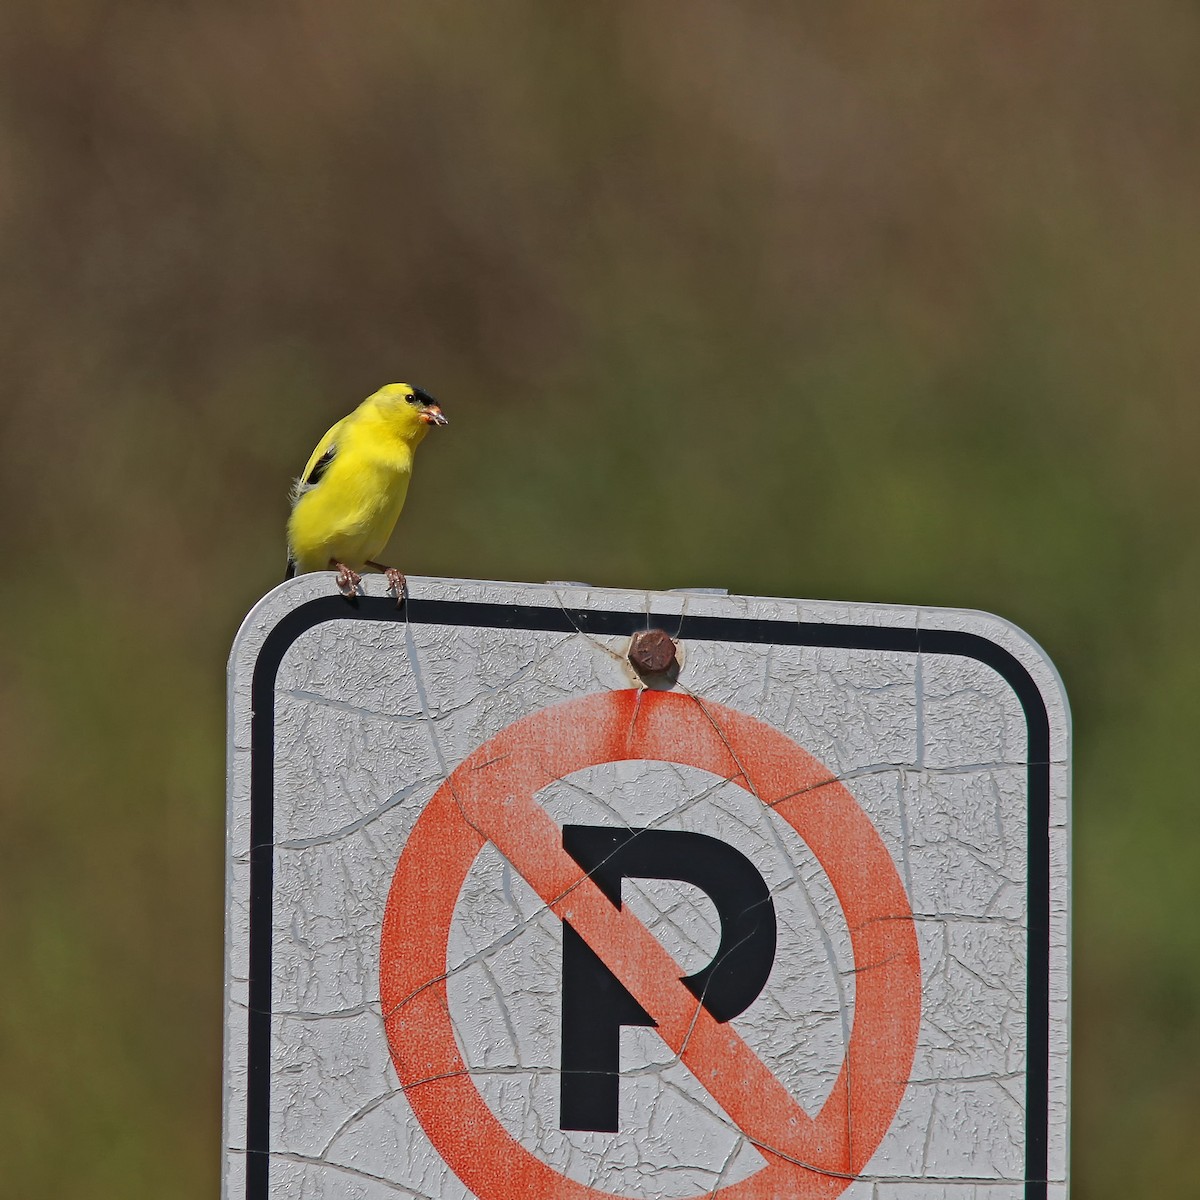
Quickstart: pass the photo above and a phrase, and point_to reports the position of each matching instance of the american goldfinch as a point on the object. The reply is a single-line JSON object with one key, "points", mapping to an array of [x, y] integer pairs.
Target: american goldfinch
{"points": [[345, 504]]}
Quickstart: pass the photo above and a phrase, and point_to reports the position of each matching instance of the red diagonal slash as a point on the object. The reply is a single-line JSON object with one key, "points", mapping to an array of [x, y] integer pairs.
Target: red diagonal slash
{"points": [[490, 797]]}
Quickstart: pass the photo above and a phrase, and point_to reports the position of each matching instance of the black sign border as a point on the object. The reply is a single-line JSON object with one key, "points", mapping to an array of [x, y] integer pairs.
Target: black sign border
{"points": [[558, 619]]}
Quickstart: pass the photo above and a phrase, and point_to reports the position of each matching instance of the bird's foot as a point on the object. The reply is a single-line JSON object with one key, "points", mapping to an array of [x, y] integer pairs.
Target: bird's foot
{"points": [[347, 579], [397, 585]]}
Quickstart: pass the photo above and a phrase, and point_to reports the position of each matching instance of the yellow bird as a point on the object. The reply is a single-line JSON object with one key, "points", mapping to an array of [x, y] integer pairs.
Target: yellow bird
{"points": [[345, 504]]}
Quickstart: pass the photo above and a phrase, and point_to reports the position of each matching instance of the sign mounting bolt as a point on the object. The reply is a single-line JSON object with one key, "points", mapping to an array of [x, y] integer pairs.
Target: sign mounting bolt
{"points": [[651, 652]]}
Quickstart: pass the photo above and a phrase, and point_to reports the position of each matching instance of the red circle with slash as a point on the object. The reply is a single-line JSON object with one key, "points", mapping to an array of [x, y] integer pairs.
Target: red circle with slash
{"points": [[491, 797]]}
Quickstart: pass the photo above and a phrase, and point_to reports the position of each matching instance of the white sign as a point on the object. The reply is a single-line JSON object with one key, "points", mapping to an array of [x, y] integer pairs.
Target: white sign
{"points": [[508, 920]]}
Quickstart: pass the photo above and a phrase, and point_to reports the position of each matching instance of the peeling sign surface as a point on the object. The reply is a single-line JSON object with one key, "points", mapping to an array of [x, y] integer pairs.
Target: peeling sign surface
{"points": [[503, 922]]}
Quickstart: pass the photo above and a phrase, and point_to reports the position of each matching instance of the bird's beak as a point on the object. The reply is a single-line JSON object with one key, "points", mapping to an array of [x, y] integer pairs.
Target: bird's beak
{"points": [[433, 415]]}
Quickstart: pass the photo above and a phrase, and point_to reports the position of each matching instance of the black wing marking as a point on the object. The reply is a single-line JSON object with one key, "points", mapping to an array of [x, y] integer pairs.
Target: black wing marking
{"points": [[310, 481], [290, 573], [320, 467]]}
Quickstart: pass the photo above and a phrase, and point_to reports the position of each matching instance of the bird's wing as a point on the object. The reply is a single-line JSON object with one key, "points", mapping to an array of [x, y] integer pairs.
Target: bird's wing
{"points": [[318, 463], [314, 469]]}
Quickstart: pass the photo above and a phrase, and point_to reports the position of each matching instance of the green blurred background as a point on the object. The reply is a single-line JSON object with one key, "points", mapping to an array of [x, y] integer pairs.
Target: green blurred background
{"points": [[872, 301]]}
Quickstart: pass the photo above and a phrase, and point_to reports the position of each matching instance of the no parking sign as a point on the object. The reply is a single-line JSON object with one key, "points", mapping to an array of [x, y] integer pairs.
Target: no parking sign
{"points": [[508, 920]]}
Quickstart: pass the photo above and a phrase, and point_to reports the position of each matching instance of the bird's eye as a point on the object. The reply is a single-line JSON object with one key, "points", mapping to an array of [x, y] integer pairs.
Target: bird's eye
{"points": [[420, 397]]}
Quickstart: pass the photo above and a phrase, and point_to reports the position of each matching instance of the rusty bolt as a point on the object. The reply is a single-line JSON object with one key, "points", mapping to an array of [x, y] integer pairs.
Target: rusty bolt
{"points": [[651, 651]]}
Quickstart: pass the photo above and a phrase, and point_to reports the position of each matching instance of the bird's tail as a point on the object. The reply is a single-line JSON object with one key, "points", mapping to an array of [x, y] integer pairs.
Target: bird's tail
{"points": [[290, 573]]}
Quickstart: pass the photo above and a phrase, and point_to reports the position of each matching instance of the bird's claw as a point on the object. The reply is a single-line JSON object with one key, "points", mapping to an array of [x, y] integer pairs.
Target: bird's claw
{"points": [[347, 580], [397, 584]]}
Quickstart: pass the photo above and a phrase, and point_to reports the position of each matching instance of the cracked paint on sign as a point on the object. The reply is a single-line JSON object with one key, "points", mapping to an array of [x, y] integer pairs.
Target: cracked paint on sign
{"points": [[373, 718]]}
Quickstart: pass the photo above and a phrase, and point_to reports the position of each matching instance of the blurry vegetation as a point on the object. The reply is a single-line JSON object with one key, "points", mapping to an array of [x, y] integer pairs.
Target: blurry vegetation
{"points": [[872, 302]]}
